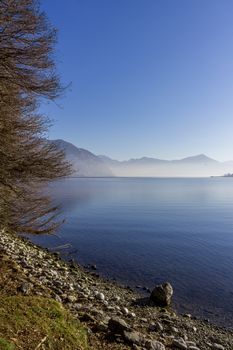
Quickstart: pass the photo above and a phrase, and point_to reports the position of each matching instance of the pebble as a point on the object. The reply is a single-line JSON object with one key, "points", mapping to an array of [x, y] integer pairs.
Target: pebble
{"points": [[125, 311], [133, 337], [71, 298], [154, 345], [57, 298], [25, 288], [117, 325], [216, 346], [157, 327], [174, 330], [190, 343], [100, 296], [116, 298], [179, 343]]}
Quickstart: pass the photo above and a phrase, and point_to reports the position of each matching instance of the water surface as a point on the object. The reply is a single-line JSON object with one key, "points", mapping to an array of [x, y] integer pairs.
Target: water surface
{"points": [[143, 231]]}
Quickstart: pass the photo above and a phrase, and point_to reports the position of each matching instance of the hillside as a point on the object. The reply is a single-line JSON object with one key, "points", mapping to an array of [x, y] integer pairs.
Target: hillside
{"points": [[87, 164], [84, 162]]}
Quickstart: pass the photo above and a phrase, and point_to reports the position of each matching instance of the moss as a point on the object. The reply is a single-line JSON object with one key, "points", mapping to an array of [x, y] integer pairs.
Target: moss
{"points": [[26, 321], [5, 345]]}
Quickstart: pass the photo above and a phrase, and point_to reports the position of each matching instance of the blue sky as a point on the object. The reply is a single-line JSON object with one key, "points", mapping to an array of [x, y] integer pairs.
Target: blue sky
{"points": [[149, 77]]}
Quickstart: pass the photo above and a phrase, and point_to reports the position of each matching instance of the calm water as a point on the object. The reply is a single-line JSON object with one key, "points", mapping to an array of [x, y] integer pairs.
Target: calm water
{"points": [[143, 231]]}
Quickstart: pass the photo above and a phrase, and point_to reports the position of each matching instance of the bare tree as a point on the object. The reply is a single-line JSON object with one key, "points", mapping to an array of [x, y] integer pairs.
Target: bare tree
{"points": [[27, 160]]}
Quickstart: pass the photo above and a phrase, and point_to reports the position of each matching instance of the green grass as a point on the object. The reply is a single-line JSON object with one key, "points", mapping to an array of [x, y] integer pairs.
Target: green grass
{"points": [[26, 321], [5, 345]]}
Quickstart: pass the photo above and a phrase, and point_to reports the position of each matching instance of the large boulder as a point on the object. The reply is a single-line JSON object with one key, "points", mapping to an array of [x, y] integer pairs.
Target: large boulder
{"points": [[162, 294]]}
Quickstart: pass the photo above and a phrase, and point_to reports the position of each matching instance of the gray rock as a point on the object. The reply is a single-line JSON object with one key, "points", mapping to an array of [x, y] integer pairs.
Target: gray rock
{"points": [[25, 288], [190, 343], [217, 346], [116, 298], [174, 329], [156, 327], [154, 345], [117, 325], [101, 327], [57, 298], [133, 337], [179, 343], [125, 311], [100, 296], [162, 294], [71, 298], [193, 348]]}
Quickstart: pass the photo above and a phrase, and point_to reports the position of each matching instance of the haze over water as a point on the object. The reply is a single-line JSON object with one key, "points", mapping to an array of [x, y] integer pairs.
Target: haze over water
{"points": [[144, 231]]}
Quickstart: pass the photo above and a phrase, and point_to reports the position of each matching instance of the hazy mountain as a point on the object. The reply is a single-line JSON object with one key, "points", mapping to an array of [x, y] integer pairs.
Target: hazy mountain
{"points": [[84, 162], [88, 164], [198, 165], [200, 158]]}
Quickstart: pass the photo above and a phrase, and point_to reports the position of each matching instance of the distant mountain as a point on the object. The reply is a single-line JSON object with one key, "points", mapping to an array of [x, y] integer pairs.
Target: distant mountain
{"points": [[88, 164], [84, 162], [200, 158], [194, 166]]}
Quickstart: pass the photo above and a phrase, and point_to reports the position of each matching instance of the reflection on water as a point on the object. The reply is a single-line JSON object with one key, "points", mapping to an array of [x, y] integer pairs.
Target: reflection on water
{"points": [[146, 231]]}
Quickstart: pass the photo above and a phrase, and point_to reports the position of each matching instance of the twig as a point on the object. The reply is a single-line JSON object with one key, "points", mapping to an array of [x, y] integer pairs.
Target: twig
{"points": [[42, 341]]}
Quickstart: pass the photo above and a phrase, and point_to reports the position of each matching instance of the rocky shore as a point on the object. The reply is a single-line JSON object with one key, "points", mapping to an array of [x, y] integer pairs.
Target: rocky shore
{"points": [[115, 317]]}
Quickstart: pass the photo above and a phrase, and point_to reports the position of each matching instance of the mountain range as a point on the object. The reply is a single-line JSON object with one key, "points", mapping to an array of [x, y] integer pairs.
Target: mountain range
{"points": [[87, 164]]}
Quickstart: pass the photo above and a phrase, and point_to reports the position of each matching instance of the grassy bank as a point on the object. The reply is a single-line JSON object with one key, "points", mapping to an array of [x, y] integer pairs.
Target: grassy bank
{"points": [[37, 322]]}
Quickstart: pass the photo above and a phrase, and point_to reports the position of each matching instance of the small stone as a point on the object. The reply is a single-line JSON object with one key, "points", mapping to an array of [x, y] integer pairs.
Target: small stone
{"points": [[174, 329], [135, 347], [100, 296], [25, 288], [179, 343], [193, 348], [125, 311], [116, 298], [101, 327], [97, 312], [156, 327], [217, 346], [71, 298], [154, 345], [190, 343], [133, 337], [117, 325], [57, 298]]}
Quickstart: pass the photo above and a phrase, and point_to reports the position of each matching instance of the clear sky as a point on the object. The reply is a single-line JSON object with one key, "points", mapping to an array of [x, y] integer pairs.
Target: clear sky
{"points": [[149, 77]]}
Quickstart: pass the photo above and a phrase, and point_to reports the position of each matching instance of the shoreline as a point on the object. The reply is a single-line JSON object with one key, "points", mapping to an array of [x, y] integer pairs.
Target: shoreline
{"points": [[95, 301]]}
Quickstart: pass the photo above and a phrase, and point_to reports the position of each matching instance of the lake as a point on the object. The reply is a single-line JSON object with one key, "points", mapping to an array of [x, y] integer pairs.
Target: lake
{"points": [[144, 231]]}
